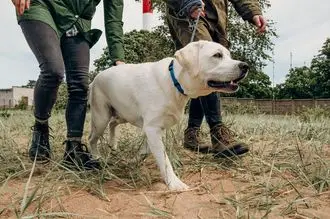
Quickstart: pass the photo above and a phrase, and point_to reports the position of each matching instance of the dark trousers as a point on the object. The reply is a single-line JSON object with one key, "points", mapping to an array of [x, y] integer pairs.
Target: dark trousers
{"points": [[56, 56], [208, 106]]}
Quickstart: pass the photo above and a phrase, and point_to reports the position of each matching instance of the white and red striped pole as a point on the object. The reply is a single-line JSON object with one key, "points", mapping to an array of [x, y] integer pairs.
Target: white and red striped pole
{"points": [[147, 14]]}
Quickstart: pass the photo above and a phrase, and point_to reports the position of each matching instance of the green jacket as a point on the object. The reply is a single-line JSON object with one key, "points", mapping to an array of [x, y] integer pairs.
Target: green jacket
{"points": [[61, 15], [217, 11]]}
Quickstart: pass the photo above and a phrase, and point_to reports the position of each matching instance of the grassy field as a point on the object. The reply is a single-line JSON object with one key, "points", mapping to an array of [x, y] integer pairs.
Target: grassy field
{"points": [[285, 175]]}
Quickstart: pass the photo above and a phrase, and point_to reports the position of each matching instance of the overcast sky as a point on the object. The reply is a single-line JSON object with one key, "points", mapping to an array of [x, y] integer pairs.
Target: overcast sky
{"points": [[302, 26]]}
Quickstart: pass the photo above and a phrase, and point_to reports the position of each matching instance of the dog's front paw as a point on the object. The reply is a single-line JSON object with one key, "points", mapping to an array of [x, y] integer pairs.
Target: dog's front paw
{"points": [[177, 185]]}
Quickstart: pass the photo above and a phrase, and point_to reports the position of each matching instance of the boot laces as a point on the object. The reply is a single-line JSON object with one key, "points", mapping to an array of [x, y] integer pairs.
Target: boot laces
{"points": [[193, 133], [80, 148], [83, 149], [44, 133], [224, 134]]}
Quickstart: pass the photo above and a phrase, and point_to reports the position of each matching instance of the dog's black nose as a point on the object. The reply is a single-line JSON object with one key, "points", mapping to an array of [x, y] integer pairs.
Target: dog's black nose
{"points": [[244, 67]]}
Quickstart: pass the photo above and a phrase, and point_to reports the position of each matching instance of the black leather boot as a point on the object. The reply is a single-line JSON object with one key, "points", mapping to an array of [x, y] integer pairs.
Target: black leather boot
{"points": [[77, 156], [40, 148]]}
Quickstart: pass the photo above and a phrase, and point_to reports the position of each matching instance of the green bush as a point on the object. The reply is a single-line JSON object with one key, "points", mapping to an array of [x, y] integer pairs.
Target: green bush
{"points": [[62, 97], [22, 104], [5, 113]]}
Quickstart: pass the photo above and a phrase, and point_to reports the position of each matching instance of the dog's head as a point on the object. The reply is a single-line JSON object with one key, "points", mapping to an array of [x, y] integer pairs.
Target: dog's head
{"points": [[209, 67]]}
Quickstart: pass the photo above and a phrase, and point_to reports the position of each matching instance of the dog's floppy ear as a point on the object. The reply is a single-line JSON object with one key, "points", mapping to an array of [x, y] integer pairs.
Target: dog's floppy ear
{"points": [[188, 57]]}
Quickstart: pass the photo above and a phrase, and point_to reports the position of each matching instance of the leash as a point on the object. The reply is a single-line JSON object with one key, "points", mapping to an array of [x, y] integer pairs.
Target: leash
{"points": [[194, 26]]}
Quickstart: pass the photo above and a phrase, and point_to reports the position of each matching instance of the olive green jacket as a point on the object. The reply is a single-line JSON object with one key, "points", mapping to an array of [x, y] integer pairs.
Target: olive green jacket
{"points": [[217, 10], [61, 15]]}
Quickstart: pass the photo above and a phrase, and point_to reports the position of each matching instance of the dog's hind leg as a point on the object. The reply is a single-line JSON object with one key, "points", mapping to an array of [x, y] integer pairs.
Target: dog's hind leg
{"points": [[154, 135], [114, 122], [100, 117], [99, 120], [144, 149]]}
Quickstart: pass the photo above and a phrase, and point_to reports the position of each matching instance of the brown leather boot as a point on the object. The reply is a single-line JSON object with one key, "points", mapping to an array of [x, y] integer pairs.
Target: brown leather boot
{"points": [[194, 142], [224, 143]]}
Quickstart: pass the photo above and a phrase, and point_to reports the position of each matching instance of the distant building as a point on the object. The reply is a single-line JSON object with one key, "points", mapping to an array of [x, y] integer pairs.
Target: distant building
{"points": [[11, 97]]}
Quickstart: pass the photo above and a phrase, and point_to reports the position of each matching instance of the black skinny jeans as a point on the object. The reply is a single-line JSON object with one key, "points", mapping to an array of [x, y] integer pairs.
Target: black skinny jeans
{"points": [[56, 56]]}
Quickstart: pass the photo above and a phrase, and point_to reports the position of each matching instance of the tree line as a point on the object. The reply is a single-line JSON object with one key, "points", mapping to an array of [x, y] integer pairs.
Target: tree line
{"points": [[246, 45]]}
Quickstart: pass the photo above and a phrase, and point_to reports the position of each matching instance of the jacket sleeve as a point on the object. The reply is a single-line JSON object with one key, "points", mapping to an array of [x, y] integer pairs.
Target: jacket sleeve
{"points": [[113, 15], [247, 8]]}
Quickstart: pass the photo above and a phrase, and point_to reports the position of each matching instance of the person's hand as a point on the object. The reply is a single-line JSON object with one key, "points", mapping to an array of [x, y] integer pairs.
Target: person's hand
{"points": [[21, 5], [119, 63], [195, 10], [260, 22]]}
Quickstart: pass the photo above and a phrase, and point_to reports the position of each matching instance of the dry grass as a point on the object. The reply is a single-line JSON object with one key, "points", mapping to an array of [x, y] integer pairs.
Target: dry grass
{"points": [[286, 174]]}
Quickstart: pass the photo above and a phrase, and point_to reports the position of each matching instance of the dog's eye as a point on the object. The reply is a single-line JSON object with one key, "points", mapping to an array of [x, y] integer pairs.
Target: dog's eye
{"points": [[217, 55]]}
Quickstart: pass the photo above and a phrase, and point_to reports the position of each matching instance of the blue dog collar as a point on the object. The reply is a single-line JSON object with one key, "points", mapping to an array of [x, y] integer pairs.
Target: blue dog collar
{"points": [[175, 81]]}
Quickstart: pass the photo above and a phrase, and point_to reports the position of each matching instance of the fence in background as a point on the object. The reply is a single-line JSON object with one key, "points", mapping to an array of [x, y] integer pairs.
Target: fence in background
{"points": [[282, 106]]}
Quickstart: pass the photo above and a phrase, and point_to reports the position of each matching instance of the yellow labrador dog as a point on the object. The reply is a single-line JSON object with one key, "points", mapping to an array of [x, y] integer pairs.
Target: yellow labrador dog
{"points": [[153, 95]]}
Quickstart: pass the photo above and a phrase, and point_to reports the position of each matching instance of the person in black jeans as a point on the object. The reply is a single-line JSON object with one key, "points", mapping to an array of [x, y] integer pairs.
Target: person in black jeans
{"points": [[58, 53], [70, 54]]}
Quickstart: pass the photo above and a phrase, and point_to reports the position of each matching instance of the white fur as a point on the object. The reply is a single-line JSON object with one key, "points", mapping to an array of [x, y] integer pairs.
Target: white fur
{"points": [[144, 95]]}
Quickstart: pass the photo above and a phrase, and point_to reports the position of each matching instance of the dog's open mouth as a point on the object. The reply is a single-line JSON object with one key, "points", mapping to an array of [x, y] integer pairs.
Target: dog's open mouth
{"points": [[230, 86]]}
